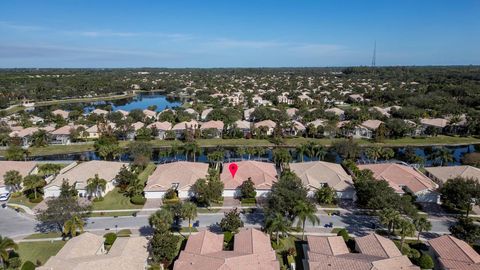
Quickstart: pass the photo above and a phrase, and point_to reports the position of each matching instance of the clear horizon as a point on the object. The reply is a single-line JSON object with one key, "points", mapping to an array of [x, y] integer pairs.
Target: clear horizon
{"points": [[219, 34]]}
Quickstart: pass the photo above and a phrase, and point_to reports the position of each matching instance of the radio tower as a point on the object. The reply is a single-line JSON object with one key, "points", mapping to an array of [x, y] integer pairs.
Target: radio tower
{"points": [[374, 58]]}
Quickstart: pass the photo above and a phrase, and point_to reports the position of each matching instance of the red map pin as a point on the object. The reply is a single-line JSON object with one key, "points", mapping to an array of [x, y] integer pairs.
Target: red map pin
{"points": [[233, 167]]}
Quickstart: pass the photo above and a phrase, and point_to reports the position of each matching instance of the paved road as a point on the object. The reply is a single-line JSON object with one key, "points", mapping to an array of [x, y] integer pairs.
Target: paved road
{"points": [[13, 224]]}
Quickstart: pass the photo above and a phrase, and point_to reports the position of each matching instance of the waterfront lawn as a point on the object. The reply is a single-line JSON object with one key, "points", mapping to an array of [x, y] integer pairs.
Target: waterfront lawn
{"points": [[114, 200], [39, 251], [440, 139], [143, 176]]}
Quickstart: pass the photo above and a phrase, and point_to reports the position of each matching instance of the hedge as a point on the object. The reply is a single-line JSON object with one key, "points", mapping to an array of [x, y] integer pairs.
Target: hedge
{"points": [[138, 200], [425, 261], [249, 200], [28, 265], [110, 238]]}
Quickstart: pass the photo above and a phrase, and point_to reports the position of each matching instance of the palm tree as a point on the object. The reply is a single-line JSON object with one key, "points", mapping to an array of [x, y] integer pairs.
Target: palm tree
{"points": [[189, 211], [389, 217], [6, 244], [96, 185], [33, 182], [216, 158], [240, 151], [72, 225], [277, 224], [281, 157], [319, 152], [301, 151], [441, 155], [406, 228], [260, 151], [13, 179], [422, 225], [374, 153], [387, 153], [192, 149], [161, 220], [305, 211], [135, 187], [250, 151]]}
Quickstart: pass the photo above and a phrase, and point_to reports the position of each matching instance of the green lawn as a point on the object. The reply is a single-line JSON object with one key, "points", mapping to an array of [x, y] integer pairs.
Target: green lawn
{"points": [[23, 201], [143, 176], [44, 235], [42, 251], [112, 214], [292, 142], [114, 200]]}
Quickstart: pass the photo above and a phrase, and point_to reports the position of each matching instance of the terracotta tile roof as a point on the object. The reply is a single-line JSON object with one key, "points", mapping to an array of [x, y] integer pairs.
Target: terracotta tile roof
{"points": [[212, 124], [372, 124], [62, 113], [436, 122], [85, 252], [23, 167], [181, 126], [316, 173], [242, 124], [454, 253], [150, 113], [161, 125], [124, 113], [336, 111], [99, 112], [398, 175], [138, 125], [79, 174], [65, 130], [450, 172], [376, 245], [266, 123], [23, 132], [262, 174], [182, 172], [252, 251], [318, 122], [376, 252]]}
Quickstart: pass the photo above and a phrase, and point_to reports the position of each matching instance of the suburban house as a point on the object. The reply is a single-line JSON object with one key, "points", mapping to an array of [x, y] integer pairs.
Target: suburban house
{"points": [[295, 128], [438, 124], [247, 114], [404, 179], [262, 174], [78, 175], [212, 128], [123, 112], [180, 128], [24, 134], [162, 128], [136, 126], [87, 252], [23, 167], [62, 135], [244, 126], [316, 174], [179, 175], [442, 174], [338, 112], [205, 251], [268, 125], [452, 253], [365, 130], [371, 252], [61, 113], [150, 114], [99, 112], [192, 112], [291, 112]]}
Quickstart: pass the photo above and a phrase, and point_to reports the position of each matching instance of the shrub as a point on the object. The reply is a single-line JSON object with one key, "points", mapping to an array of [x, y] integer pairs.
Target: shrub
{"points": [[343, 233], [110, 238], [16, 194], [28, 265], [37, 200], [425, 261], [138, 200], [170, 194]]}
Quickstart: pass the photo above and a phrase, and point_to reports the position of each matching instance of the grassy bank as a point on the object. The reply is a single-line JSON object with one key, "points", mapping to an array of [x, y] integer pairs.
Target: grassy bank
{"points": [[39, 251], [290, 142]]}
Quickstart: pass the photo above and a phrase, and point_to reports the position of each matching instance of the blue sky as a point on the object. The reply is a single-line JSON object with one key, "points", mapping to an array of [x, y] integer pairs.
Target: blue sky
{"points": [[248, 33]]}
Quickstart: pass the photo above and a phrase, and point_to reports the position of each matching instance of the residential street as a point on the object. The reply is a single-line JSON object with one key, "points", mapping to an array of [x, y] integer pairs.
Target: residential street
{"points": [[14, 224]]}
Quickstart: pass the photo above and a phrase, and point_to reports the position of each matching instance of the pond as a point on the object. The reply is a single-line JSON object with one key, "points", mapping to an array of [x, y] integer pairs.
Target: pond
{"points": [[141, 101], [161, 155]]}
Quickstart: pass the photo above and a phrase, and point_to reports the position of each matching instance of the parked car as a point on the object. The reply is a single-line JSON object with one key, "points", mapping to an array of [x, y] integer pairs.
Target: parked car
{"points": [[4, 197], [328, 225]]}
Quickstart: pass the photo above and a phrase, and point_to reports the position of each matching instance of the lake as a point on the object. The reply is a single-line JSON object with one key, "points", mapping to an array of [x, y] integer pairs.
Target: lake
{"points": [[141, 101]]}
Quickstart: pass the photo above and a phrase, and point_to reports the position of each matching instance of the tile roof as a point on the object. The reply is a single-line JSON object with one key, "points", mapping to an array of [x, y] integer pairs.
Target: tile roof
{"points": [[181, 126], [23, 167], [450, 172], [212, 124], [266, 123], [79, 174], [62, 113], [262, 174], [182, 172], [375, 252], [316, 173], [251, 251], [84, 252], [436, 122], [398, 175], [454, 253], [372, 124], [242, 124], [161, 125]]}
